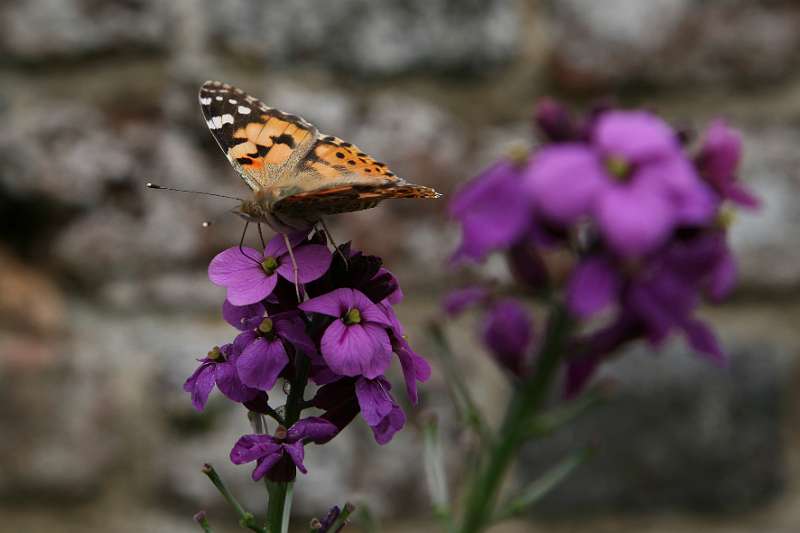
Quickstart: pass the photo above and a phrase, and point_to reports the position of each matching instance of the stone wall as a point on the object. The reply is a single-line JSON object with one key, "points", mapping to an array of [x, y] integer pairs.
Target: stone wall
{"points": [[104, 301]]}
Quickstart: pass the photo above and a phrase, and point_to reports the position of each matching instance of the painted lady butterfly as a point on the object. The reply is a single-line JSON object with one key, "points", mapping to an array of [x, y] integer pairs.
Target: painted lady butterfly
{"points": [[297, 174]]}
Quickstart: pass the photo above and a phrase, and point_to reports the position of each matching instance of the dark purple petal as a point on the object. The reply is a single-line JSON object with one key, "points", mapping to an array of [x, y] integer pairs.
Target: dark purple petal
{"points": [[563, 181], [296, 452], [290, 326], [312, 260], [199, 384], [723, 277], [314, 428], [579, 372], [459, 300], [703, 340], [338, 400], [267, 463], [359, 349], [492, 210], [244, 339], [634, 220], [508, 332], [251, 447], [415, 368], [593, 286], [374, 399], [636, 136], [241, 316], [261, 363], [390, 425], [554, 121], [335, 303]]}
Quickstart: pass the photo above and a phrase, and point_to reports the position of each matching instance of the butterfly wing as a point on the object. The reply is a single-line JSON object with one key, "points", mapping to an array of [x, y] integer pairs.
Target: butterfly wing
{"points": [[337, 177], [260, 142]]}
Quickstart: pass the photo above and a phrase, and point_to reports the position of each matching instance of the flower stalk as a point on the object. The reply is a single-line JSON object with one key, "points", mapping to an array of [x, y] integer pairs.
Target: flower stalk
{"points": [[527, 400], [246, 519]]}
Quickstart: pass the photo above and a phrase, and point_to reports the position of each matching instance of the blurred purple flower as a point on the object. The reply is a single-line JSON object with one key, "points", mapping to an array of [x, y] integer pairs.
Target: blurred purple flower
{"points": [[250, 276], [356, 343], [554, 121], [279, 456], [718, 161], [218, 368], [508, 333], [632, 178], [459, 300], [493, 210], [379, 409]]}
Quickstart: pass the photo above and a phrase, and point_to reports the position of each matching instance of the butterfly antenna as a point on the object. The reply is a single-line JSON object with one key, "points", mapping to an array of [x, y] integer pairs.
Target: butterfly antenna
{"points": [[160, 188], [241, 243]]}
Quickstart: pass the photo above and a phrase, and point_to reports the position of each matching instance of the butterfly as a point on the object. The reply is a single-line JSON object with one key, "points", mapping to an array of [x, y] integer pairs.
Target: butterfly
{"points": [[297, 174]]}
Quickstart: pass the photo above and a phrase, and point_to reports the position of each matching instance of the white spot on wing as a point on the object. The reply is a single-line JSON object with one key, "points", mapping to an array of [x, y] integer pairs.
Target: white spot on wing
{"points": [[219, 98], [217, 122], [233, 101], [227, 118], [205, 101], [243, 110], [210, 124]]}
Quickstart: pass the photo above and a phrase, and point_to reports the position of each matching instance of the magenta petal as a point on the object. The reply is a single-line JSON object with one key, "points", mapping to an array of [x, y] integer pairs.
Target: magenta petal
{"points": [[415, 368], [200, 384], [563, 181], [313, 261], [702, 339], [637, 136], [230, 267], [592, 287], [360, 349], [721, 151], [335, 303], [459, 300], [261, 363], [239, 315], [634, 221], [276, 247], [313, 428], [252, 290]]}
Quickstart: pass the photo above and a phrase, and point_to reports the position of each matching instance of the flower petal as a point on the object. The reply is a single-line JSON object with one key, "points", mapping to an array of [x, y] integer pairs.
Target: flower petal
{"points": [[239, 316], [702, 339], [508, 332], [199, 384], [637, 136], [634, 220], [374, 399], [230, 267], [276, 247], [261, 363], [592, 287], [296, 451], [314, 428], [459, 300], [312, 260], [415, 368], [230, 385], [359, 349], [251, 447], [563, 181], [390, 425], [335, 303], [266, 464]]}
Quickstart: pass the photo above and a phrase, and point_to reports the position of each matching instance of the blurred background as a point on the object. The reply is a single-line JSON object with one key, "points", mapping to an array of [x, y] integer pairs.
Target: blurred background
{"points": [[105, 303]]}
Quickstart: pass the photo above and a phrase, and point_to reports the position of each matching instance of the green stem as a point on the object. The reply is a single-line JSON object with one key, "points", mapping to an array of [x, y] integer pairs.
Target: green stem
{"points": [[246, 519], [527, 399], [280, 494]]}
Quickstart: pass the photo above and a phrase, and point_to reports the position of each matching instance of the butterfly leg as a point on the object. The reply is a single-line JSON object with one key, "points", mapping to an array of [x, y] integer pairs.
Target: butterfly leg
{"points": [[330, 238], [241, 242], [261, 236], [295, 270]]}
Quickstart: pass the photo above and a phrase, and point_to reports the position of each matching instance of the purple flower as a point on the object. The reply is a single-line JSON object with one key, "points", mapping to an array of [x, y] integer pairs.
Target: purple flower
{"points": [[632, 179], [251, 276], [415, 367], [279, 456], [265, 355], [218, 368], [493, 210], [379, 409], [356, 343], [459, 300], [718, 160], [554, 121], [508, 333]]}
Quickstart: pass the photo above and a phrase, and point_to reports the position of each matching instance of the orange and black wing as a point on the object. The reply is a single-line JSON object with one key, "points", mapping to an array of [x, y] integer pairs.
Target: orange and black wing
{"points": [[259, 141]]}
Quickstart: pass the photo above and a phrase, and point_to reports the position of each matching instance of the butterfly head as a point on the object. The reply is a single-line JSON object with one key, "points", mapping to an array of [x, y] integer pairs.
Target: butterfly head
{"points": [[258, 209]]}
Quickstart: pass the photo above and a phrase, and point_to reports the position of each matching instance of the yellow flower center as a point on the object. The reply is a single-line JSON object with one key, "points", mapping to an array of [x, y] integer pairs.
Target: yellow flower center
{"points": [[618, 168], [215, 354], [269, 265], [353, 316]]}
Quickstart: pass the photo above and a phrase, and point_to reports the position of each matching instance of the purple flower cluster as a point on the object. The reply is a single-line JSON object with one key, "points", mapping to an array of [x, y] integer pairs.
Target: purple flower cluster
{"points": [[618, 213], [341, 337]]}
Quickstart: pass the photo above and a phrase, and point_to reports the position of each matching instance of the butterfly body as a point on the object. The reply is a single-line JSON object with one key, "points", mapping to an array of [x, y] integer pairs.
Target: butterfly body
{"points": [[297, 174]]}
